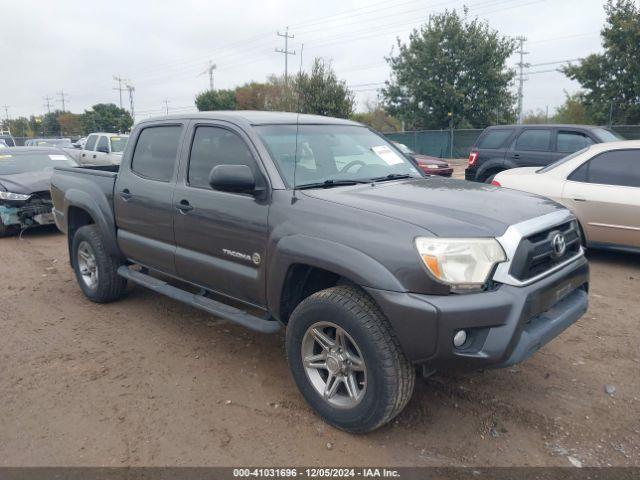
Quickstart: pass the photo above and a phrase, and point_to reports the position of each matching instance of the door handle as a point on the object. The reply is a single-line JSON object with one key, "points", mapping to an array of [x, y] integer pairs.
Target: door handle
{"points": [[580, 199], [516, 155], [84, 154], [94, 155], [184, 206], [126, 195]]}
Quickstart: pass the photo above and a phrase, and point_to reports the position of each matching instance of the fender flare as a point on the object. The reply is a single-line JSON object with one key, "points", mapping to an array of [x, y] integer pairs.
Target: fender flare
{"points": [[100, 211], [337, 258]]}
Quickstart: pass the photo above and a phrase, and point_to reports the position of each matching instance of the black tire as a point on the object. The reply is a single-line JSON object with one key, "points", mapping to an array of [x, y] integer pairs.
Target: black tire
{"points": [[390, 376], [491, 176], [109, 285]]}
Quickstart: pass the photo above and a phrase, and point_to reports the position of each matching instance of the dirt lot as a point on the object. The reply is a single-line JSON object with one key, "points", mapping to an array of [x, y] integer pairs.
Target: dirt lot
{"points": [[149, 381]]}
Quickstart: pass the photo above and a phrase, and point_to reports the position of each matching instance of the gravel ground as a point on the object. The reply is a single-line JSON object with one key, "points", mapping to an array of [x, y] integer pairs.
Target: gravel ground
{"points": [[149, 381]]}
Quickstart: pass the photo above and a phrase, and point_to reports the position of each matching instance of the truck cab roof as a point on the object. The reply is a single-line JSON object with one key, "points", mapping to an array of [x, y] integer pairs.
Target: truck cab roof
{"points": [[254, 117]]}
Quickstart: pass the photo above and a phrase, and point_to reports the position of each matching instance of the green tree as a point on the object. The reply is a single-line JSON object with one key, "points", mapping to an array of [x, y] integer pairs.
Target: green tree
{"points": [[320, 92], [71, 124], [531, 117], [50, 125], [573, 110], [19, 127], [272, 95], [216, 100], [611, 79], [377, 118], [451, 65], [106, 117]]}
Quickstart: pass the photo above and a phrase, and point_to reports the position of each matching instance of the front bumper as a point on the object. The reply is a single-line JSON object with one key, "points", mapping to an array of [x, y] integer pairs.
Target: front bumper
{"points": [[505, 326]]}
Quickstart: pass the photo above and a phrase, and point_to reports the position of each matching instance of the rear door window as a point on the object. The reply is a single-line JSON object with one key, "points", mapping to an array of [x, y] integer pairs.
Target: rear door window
{"points": [[494, 138], [538, 140], [569, 142], [103, 143], [156, 152], [91, 142]]}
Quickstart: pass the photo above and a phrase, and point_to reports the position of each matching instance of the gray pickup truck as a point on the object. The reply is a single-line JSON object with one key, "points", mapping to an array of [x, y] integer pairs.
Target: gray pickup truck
{"points": [[321, 226]]}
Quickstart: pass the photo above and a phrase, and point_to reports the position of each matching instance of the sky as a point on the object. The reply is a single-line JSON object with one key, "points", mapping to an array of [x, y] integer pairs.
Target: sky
{"points": [[163, 48]]}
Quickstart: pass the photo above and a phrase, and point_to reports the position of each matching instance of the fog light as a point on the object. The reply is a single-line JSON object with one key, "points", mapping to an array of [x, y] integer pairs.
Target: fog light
{"points": [[459, 338]]}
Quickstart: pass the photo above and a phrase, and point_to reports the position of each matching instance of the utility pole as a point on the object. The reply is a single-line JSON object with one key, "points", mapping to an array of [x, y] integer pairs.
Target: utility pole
{"points": [[6, 112], [166, 105], [209, 70], [47, 103], [286, 52], [521, 79], [63, 97], [120, 88], [131, 89]]}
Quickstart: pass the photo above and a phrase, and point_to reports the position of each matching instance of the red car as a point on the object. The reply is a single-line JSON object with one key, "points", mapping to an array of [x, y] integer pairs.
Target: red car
{"points": [[429, 165]]}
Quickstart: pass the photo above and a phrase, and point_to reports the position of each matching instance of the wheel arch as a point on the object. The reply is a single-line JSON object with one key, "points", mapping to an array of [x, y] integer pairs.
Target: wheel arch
{"points": [[302, 266]]}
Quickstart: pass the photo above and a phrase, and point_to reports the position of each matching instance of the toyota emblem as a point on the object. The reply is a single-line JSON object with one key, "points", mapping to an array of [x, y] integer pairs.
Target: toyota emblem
{"points": [[559, 244]]}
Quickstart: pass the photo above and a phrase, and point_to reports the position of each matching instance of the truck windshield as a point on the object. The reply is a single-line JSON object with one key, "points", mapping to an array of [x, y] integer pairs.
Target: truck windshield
{"points": [[332, 154], [12, 164], [118, 143]]}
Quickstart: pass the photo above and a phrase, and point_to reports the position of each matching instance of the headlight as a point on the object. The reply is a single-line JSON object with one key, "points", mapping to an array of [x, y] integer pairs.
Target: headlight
{"points": [[463, 263], [435, 166], [13, 196]]}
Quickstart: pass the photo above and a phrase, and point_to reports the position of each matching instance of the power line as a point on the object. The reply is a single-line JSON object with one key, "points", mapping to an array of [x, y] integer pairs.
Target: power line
{"points": [[521, 79], [62, 97], [286, 52], [47, 103], [210, 69], [131, 89], [120, 88]]}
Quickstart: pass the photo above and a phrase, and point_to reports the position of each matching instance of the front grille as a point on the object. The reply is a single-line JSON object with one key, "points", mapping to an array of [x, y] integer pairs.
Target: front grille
{"points": [[38, 203], [536, 254]]}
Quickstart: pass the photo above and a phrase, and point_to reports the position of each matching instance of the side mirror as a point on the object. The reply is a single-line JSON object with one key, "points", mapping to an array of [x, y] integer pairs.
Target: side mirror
{"points": [[103, 149], [232, 178]]}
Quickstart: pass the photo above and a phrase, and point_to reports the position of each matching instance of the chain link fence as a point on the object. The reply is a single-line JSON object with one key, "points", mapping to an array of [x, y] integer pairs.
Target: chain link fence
{"points": [[438, 143]]}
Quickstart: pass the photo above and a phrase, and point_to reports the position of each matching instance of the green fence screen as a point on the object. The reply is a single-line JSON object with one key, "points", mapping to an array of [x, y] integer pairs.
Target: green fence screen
{"points": [[438, 142]]}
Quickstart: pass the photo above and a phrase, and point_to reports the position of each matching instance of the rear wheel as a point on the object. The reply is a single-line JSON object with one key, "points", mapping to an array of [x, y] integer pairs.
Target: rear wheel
{"points": [[96, 271], [490, 176], [346, 360]]}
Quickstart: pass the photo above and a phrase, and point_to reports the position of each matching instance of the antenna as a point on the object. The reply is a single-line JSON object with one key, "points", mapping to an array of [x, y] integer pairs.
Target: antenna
{"points": [[295, 156]]}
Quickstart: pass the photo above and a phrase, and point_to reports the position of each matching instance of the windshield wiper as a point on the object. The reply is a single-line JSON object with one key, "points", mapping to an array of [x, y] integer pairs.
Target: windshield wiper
{"points": [[392, 176], [329, 184]]}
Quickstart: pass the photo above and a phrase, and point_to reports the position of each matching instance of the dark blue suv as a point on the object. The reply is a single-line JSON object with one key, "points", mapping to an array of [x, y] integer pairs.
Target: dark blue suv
{"points": [[510, 146]]}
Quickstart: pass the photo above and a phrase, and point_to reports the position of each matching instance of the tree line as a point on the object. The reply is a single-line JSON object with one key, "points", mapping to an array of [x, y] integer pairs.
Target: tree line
{"points": [[451, 73], [102, 117]]}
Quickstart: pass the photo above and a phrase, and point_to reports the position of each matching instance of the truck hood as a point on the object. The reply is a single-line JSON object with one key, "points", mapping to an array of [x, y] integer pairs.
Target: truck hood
{"points": [[445, 207], [27, 183]]}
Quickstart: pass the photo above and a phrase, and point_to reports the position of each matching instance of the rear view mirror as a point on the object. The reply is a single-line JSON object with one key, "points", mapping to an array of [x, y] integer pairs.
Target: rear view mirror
{"points": [[232, 178]]}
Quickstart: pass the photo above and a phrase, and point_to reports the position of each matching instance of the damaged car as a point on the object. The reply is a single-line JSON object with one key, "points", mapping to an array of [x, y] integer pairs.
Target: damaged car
{"points": [[25, 177]]}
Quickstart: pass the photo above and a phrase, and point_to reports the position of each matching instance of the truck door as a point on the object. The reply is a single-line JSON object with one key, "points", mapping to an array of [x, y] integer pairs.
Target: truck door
{"points": [[88, 150], [143, 197], [220, 236], [101, 154], [532, 148]]}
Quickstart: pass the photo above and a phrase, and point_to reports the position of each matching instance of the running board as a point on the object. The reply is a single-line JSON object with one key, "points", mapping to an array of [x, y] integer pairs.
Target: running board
{"points": [[213, 307]]}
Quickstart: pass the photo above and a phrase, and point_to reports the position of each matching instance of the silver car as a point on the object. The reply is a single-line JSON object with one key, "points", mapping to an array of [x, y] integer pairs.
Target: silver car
{"points": [[600, 184]]}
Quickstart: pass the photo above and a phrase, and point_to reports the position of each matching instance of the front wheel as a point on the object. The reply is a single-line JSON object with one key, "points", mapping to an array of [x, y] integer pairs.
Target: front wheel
{"points": [[96, 271], [346, 360]]}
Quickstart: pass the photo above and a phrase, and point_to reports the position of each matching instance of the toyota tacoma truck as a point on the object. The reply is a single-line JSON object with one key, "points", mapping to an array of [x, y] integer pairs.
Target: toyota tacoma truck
{"points": [[322, 227]]}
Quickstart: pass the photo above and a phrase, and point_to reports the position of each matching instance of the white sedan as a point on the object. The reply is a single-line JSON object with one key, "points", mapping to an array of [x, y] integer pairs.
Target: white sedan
{"points": [[600, 184]]}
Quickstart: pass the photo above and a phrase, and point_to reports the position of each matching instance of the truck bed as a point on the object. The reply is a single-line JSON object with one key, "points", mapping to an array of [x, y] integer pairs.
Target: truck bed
{"points": [[92, 183]]}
